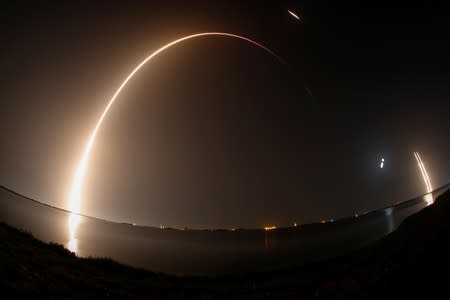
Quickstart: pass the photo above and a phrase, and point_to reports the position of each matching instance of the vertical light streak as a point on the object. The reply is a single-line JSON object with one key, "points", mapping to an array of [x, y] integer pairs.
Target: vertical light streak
{"points": [[426, 178], [74, 221], [75, 192]]}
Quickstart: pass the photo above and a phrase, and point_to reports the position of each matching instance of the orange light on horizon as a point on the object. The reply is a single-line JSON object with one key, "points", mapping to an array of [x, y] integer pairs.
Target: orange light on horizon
{"points": [[270, 228]]}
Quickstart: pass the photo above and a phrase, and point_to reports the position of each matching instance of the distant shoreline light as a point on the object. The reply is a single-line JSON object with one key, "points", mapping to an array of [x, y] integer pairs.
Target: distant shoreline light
{"points": [[267, 228]]}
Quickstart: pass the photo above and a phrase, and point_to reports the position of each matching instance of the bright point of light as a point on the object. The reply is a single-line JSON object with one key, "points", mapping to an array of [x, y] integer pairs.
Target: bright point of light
{"points": [[382, 163], [270, 228], [294, 15], [75, 192]]}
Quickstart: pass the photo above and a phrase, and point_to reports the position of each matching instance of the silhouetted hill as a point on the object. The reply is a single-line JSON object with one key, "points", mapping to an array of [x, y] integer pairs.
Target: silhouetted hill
{"points": [[413, 262]]}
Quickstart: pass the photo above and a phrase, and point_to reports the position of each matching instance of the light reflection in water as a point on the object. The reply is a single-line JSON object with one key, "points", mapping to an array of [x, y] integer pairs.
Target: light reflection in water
{"points": [[266, 240], [429, 199], [390, 221], [74, 221]]}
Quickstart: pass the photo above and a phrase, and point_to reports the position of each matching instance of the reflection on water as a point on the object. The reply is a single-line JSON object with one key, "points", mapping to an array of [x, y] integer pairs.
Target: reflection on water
{"points": [[390, 220], [205, 252], [429, 198], [74, 221], [266, 241]]}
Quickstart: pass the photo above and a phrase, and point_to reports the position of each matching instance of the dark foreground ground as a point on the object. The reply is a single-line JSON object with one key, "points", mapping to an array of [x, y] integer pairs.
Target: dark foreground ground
{"points": [[412, 262]]}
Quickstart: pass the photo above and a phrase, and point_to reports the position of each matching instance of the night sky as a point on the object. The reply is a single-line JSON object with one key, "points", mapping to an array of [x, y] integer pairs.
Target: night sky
{"points": [[215, 132]]}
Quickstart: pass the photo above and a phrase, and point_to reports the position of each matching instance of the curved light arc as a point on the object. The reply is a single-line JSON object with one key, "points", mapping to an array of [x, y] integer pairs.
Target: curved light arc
{"points": [[75, 193]]}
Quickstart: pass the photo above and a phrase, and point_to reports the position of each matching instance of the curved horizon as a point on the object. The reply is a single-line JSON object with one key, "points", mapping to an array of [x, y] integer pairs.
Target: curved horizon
{"points": [[447, 185]]}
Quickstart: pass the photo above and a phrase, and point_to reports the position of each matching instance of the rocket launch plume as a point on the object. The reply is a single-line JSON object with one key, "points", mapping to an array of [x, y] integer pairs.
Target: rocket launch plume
{"points": [[76, 189]]}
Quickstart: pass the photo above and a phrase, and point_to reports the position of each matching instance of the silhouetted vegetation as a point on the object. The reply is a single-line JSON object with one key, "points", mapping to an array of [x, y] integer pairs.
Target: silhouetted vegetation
{"points": [[413, 262]]}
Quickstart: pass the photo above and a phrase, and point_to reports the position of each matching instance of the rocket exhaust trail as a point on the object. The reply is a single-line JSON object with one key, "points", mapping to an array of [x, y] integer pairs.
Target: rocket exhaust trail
{"points": [[293, 14], [429, 197], [75, 193], [425, 176]]}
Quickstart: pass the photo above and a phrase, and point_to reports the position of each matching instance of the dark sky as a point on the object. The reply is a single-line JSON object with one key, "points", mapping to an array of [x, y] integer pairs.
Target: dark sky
{"points": [[215, 132]]}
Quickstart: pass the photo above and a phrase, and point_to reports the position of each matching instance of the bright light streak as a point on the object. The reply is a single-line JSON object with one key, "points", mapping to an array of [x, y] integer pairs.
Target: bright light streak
{"points": [[294, 15], [382, 163], [425, 176], [429, 199], [75, 192], [270, 228], [74, 221], [430, 188]]}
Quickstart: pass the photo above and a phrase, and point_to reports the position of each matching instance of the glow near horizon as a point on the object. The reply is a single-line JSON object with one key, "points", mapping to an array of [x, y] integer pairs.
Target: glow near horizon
{"points": [[74, 221], [76, 190]]}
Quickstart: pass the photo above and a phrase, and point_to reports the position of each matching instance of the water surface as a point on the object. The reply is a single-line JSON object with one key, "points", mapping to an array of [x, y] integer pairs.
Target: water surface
{"points": [[204, 252]]}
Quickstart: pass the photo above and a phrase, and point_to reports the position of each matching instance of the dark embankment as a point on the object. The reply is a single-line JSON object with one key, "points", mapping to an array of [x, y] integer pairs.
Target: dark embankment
{"points": [[411, 262]]}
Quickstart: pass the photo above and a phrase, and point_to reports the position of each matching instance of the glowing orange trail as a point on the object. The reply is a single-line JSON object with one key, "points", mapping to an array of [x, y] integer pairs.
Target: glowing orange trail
{"points": [[429, 197], [75, 193], [426, 179]]}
